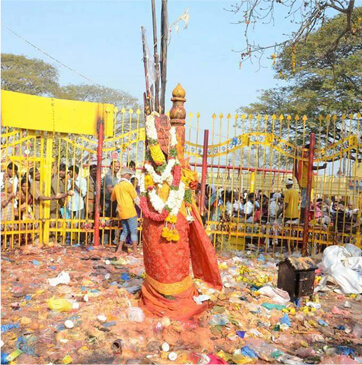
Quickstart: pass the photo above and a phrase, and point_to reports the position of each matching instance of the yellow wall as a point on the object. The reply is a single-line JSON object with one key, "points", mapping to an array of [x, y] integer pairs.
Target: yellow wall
{"points": [[55, 115]]}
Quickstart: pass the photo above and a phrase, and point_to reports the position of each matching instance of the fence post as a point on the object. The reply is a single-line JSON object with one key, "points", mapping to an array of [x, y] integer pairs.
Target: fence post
{"points": [[47, 171], [204, 171], [100, 128], [306, 244]]}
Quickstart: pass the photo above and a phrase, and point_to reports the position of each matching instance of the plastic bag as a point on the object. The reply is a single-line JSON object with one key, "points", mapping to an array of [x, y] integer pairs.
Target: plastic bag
{"points": [[219, 320], [8, 327], [62, 278], [339, 263], [135, 314], [277, 295], [59, 305]]}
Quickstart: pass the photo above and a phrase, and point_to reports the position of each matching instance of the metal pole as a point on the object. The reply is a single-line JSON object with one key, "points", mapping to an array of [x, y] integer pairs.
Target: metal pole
{"points": [[306, 245], [100, 127], [204, 171]]}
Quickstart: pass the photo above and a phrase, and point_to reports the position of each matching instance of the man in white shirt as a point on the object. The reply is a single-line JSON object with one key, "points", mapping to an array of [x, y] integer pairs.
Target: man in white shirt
{"points": [[77, 190], [78, 185], [274, 206]]}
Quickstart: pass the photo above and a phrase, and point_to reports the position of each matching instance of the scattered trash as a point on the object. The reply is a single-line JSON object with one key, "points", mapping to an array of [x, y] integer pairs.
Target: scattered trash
{"points": [[165, 347], [8, 327], [117, 346], [102, 318], [172, 356], [201, 298], [62, 278], [60, 305], [92, 320], [69, 324], [135, 314]]}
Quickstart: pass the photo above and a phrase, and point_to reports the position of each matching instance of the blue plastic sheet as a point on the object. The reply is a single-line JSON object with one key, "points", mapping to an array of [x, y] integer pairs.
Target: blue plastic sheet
{"points": [[247, 351], [285, 320], [3, 358], [322, 323], [241, 334], [345, 350], [125, 276], [9, 326]]}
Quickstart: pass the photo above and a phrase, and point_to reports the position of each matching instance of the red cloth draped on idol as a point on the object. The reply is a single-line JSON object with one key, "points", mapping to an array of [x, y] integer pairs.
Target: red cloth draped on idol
{"points": [[172, 233]]}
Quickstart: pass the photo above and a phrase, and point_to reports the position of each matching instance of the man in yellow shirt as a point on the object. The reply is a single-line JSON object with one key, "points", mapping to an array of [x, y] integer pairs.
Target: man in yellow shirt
{"points": [[290, 207], [125, 195]]}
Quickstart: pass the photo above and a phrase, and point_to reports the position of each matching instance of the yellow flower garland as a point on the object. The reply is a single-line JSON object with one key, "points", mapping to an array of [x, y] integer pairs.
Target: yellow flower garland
{"points": [[171, 219], [149, 181], [170, 234], [157, 155]]}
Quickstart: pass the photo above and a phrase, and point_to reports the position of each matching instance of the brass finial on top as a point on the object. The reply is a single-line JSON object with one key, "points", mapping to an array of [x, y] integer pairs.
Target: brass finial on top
{"points": [[178, 91]]}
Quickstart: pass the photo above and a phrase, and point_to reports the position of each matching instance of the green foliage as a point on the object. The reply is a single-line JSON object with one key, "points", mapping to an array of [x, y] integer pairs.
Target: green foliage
{"points": [[28, 75], [320, 82], [99, 94]]}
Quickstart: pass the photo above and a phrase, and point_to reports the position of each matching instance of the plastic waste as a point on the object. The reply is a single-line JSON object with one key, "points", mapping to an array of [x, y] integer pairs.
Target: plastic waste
{"points": [[165, 347], [102, 318], [345, 350], [322, 323], [263, 349], [16, 353], [125, 276], [36, 263], [248, 352], [216, 359], [109, 324], [201, 298], [285, 320], [69, 324], [117, 346], [67, 359], [135, 314], [60, 305], [240, 359], [241, 334], [4, 355], [342, 263], [8, 327], [172, 356], [219, 320], [314, 305], [338, 360], [277, 295], [62, 278], [271, 306]]}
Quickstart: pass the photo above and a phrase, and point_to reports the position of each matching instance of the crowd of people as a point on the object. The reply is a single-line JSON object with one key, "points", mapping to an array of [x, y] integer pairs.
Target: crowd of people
{"points": [[282, 208], [73, 197]]}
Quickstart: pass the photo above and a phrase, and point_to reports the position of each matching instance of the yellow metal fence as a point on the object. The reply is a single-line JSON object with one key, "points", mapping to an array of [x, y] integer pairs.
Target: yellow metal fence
{"points": [[245, 155]]}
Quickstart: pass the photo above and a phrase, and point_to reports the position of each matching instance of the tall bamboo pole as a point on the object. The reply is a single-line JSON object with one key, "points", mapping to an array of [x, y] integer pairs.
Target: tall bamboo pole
{"points": [[164, 42], [156, 57]]}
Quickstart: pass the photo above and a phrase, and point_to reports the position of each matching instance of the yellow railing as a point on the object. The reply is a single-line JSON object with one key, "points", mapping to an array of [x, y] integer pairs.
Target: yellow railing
{"points": [[245, 154]]}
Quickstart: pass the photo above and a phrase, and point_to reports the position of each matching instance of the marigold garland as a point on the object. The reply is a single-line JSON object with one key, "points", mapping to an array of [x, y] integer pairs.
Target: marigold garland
{"points": [[165, 172], [157, 155]]}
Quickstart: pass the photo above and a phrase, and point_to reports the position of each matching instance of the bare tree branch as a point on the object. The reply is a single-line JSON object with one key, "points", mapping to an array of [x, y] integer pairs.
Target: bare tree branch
{"points": [[306, 15]]}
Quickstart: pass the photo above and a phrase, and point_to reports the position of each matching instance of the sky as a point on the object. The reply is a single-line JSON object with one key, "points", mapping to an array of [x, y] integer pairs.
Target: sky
{"points": [[102, 40]]}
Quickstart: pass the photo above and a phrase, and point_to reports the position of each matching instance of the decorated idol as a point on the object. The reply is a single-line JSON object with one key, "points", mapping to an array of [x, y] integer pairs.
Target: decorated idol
{"points": [[173, 234]]}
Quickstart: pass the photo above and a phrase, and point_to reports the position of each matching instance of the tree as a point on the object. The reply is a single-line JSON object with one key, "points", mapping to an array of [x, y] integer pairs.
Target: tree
{"points": [[306, 15], [320, 83], [28, 75]]}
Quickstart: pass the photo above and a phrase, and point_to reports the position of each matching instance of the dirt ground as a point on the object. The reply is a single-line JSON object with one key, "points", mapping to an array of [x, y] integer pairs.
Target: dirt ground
{"points": [[238, 328]]}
